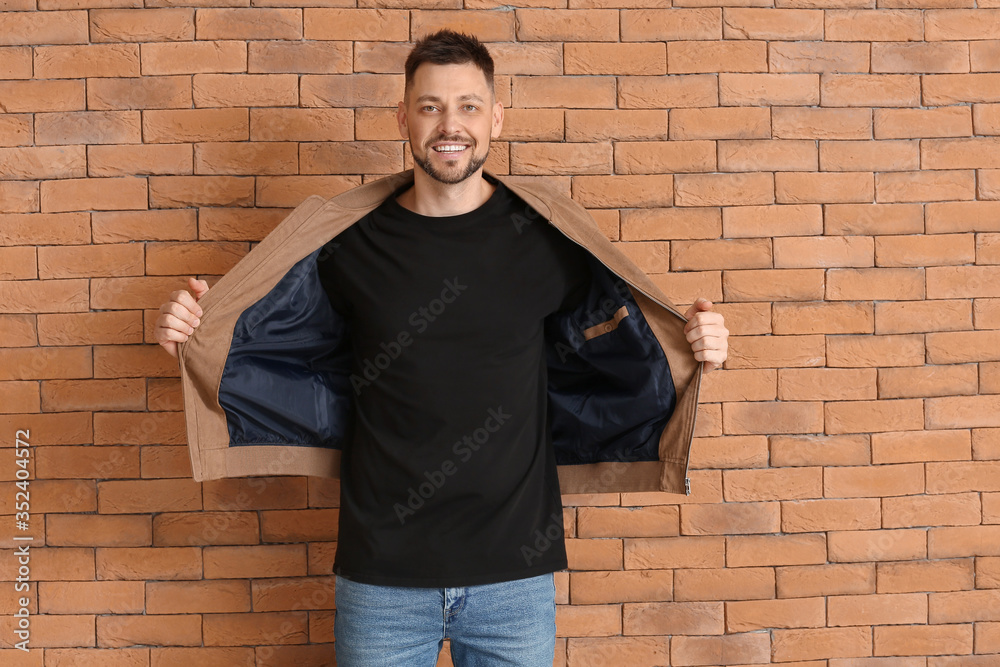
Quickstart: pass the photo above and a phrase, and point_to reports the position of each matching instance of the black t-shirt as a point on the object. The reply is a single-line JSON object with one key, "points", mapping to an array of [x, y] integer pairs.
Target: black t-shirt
{"points": [[450, 476]]}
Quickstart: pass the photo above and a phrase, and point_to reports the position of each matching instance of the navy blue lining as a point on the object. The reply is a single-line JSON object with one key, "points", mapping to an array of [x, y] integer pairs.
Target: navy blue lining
{"points": [[287, 376], [286, 379], [610, 397]]}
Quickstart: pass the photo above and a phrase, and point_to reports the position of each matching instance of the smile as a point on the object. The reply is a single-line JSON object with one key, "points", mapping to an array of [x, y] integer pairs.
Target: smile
{"points": [[450, 148]]}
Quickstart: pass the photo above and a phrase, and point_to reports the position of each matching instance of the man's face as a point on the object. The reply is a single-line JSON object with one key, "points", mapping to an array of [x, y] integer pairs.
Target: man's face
{"points": [[449, 115]]}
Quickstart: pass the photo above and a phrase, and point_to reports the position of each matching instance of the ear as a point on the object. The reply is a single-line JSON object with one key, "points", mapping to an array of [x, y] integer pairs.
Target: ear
{"points": [[497, 120], [404, 130]]}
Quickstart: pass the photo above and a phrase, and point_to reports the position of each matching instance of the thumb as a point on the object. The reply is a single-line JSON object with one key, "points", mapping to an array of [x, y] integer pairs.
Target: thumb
{"points": [[199, 287], [700, 304]]}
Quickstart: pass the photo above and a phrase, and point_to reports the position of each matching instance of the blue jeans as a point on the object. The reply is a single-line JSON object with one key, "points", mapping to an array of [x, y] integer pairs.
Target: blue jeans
{"points": [[508, 624]]}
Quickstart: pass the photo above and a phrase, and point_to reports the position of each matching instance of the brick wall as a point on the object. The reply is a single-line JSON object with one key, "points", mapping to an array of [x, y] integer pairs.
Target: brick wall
{"points": [[827, 171]]}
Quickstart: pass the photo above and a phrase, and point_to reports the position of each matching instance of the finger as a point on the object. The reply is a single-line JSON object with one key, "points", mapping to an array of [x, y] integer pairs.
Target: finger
{"points": [[176, 331], [183, 306], [198, 286], [175, 316], [710, 330], [700, 304]]}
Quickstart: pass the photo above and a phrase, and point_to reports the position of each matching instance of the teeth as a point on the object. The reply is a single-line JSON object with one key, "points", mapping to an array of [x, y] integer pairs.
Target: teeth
{"points": [[449, 149]]}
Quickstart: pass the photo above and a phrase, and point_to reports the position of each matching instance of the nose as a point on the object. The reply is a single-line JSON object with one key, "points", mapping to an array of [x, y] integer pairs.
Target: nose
{"points": [[449, 122]]}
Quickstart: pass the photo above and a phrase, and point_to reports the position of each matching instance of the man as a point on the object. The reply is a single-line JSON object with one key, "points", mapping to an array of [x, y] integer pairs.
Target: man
{"points": [[448, 341]]}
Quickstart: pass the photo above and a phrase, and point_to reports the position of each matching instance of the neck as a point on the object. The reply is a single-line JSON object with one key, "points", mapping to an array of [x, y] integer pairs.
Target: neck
{"points": [[433, 198]]}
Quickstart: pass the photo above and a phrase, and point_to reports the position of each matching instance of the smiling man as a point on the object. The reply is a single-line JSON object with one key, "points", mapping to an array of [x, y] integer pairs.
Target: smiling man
{"points": [[512, 353]]}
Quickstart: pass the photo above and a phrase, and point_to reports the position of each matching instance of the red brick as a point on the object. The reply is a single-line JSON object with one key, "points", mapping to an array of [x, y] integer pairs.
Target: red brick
{"points": [[656, 157], [102, 194], [780, 484], [774, 285], [960, 24], [255, 561], [739, 385], [827, 384], [91, 597], [764, 614], [803, 516], [50, 27], [564, 91], [922, 123], [657, 92], [724, 189], [772, 550], [684, 57], [873, 25], [811, 580], [41, 96], [156, 630], [805, 188], [883, 609], [874, 416], [193, 57], [249, 23], [204, 528], [924, 186], [937, 510], [682, 618], [675, 552], [236, 90], [623, 191], [920, 58], [923, 640], [962, 411], [945, 89], [881, 284], [806, 644], [767, 155], [721, 650], [203, 656], [355, 24], [962, 217], [767, 221], [628, 586], [594, 554], [627, 522], [589, 621], [670, 25], [142, 25], [97, 530], [804, 123], [768, 418], [183, 191], [769, 89], [776, 351], [610, 651], [919, 576], [874, 219], [907, 446], [870, 90], [621, 58], [823, 317], [159, 92], [819, 57], [962, 541]]}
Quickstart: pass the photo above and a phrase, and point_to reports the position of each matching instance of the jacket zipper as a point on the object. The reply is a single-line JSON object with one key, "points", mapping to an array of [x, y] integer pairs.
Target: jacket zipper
{"points": [[687, 461]]}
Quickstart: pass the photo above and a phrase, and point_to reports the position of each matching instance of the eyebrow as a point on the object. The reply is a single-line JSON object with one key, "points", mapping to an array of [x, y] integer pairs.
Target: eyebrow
{"points": [[464, 98]]}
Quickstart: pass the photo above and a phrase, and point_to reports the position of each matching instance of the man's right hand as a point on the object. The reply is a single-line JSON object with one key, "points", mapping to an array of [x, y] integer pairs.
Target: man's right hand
{"points": [[179, 316]]}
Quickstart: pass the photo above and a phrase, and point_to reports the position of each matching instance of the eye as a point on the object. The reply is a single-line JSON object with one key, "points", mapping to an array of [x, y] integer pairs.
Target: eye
{"points": [[471, 107], [429, 107]]}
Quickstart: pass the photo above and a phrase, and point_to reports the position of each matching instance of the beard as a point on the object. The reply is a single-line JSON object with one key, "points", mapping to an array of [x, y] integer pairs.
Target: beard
{"points": [[452, 176]]}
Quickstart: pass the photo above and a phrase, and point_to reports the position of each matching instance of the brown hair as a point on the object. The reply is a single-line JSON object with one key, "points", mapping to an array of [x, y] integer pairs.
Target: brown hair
{"points": [[447, 47]]}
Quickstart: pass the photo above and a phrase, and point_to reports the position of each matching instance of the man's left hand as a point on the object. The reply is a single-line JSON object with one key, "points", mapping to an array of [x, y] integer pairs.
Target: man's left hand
{"points": [[706, 331]]}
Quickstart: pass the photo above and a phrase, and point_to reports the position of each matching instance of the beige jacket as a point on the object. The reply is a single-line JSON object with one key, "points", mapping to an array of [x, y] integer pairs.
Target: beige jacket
{"points": [[265, 374]]}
